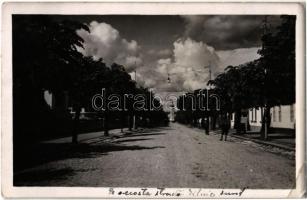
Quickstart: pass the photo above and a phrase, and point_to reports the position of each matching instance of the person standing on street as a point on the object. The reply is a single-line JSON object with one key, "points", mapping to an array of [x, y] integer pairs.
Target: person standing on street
{"points": [[225, 125], [206, 125]]}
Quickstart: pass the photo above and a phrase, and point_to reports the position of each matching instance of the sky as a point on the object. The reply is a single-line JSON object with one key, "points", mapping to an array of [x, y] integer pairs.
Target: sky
{"points": [[179, 48]]}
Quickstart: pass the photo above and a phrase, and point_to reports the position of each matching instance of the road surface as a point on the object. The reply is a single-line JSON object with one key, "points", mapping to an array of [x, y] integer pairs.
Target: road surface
{"points": [[174, 156]]}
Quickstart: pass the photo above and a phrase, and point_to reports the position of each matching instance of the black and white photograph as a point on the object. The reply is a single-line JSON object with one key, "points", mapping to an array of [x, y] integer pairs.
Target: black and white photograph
{"points": [[155, 101]]}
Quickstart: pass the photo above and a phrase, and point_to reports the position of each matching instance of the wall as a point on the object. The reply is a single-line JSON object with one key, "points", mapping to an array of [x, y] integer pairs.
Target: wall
{"points": [[281, 117]]}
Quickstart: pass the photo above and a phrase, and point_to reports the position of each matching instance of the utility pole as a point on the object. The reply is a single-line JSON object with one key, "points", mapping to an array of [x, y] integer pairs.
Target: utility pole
{"points": [[210, 78], [266, 107], [134, 115], [209, 121]]}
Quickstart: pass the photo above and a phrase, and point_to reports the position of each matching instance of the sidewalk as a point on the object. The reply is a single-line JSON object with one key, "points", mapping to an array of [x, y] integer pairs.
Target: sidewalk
{"points": [[279, 140]]}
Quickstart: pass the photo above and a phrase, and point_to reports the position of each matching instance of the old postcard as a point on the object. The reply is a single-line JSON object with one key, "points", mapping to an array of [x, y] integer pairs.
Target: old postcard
{"points": [[153, 100]]}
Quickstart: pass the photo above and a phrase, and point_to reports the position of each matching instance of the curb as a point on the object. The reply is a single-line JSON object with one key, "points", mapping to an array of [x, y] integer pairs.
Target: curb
{"points": [[265, 142]]}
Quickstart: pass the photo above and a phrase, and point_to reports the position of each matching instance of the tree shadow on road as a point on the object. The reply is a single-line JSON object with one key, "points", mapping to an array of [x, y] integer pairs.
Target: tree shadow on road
{"points": [[132, 140], [152, 130], [47, 152], [42, 176], [142, 134]]}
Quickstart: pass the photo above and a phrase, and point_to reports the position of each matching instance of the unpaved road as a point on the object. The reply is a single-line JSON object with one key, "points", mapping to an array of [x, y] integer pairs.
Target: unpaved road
{"points": [[175, 156]]}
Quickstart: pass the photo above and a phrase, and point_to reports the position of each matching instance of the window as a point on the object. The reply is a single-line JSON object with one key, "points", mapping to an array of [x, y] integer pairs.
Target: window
{"points": [[279, 114], [274, 114], [261, 113], [291, 113], [252, 115], [255, 115]]}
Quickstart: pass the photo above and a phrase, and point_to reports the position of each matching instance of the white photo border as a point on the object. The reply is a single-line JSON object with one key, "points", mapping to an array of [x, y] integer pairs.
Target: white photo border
{"points": [[144, 8]]}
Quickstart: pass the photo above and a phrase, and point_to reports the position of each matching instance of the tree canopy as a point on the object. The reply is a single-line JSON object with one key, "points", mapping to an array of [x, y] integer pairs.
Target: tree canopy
{"points": [[46, 57]]}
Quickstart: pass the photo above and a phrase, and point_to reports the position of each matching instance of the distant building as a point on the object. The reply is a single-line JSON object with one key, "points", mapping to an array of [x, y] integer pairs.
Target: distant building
{"points": [[171, 115]]}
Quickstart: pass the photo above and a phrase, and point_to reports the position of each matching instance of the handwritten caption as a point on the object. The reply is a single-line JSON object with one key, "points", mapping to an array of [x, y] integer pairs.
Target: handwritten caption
{"points": [[171, 192]]}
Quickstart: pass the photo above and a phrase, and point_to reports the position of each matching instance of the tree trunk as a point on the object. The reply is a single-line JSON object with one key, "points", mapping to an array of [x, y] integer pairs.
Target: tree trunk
{"points": [[106, 124], [207, 124], [265, 123], [76, 124], [237, 124], [214, 121], [106, 116], [248, 126], [122, 121], [135, 121], [130, 121]]}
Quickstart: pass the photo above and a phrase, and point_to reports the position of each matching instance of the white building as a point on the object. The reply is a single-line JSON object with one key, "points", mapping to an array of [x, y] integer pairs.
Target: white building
{"points": [[282, 117], [171, 115]]}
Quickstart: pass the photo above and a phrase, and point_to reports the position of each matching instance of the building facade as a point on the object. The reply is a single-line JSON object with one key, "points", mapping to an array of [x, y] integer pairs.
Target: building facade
{"points": [[282, 117]]}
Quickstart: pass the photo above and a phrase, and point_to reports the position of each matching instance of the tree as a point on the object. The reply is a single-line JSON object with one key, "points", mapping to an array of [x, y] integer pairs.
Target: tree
{"points": [[278, 63], [42, 52], [87, 79], [46, 57], [239, 88]]}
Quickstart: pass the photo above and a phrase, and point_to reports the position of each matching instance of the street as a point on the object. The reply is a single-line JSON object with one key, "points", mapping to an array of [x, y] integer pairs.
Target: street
{"points": [[174, 156]]}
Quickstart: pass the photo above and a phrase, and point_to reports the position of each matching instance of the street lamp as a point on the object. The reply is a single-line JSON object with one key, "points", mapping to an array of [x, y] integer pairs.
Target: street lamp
{"points": [[168, 78]]}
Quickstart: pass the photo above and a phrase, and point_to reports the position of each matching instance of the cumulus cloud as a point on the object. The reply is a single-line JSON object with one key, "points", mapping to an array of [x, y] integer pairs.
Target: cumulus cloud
{"points": [[104, 41], [160, 53], [164, 52], [145, 77], [186, 64], [189, 68]]}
